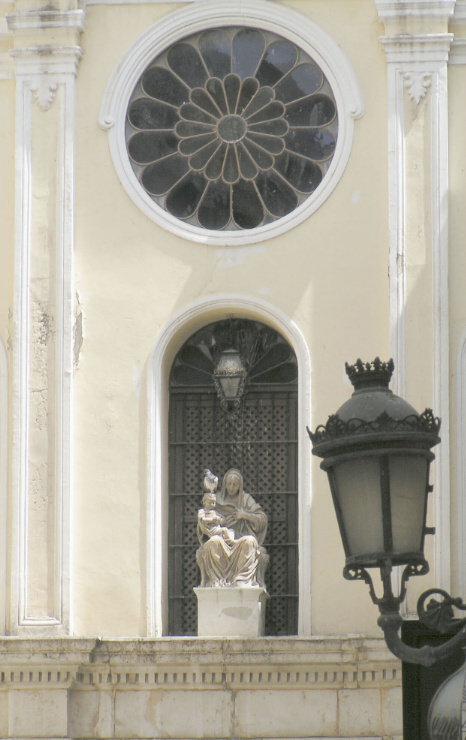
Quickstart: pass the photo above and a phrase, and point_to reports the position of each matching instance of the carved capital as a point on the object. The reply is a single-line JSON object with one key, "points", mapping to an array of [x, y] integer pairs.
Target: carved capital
{"points": [[431, 50], [46, 48], [44, 72], [416, 84]]}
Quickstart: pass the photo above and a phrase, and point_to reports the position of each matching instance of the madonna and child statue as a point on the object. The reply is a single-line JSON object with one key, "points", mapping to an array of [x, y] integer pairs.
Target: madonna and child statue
{"points": [[231, 529]]}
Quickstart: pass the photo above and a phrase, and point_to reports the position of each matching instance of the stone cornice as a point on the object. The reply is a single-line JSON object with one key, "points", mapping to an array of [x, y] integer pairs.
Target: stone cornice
{"points": [[458, 26], [46, 663], [46, 42], [42, 19], [417, 48], [195, 663], [53, 60], [415, 8], [460, 11], [407, 22]]}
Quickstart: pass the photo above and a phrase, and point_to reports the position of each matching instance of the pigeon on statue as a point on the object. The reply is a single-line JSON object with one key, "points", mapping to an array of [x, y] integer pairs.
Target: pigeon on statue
{"points": [[210, 481]]}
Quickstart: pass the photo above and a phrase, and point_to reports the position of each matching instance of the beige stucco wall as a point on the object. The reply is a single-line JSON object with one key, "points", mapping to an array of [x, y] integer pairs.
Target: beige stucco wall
{"points": [[328, 275]]}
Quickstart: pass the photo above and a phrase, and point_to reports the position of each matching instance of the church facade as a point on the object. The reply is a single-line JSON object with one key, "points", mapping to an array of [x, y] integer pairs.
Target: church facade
{"points": [[180, 180]]}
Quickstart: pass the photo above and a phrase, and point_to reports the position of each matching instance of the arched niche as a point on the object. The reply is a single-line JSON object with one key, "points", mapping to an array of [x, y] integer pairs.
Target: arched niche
{"points": [[168, 343], [257, 436]]}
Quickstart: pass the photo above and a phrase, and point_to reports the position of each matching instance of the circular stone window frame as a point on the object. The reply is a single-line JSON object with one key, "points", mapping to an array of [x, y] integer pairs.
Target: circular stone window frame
{"points": [[208, 14]]}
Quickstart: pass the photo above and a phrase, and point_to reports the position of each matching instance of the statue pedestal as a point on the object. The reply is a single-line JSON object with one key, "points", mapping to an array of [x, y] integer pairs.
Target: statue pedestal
{"points": [[231, 611]]}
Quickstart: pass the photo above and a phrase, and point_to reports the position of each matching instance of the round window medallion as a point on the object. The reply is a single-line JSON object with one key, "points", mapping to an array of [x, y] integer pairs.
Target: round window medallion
{"points": [[231, 129]]}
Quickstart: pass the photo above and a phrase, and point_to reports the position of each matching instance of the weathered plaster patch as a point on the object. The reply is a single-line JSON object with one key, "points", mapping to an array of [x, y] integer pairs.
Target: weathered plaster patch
{"points": [[42, 341], [44, 328], [229, 257]]}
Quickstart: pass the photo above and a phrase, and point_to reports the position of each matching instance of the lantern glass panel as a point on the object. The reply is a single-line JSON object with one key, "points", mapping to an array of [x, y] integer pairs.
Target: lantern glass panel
{"points": [[408, 491], [359, 496], [230, 386]]}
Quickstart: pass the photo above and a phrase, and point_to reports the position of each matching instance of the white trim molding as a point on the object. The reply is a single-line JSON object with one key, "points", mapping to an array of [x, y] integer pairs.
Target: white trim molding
{"points": [[458, 27], [461, 461], [43, 73], [6, 62], [208, 14], [3, 485], [421, 61], [170, 339]]}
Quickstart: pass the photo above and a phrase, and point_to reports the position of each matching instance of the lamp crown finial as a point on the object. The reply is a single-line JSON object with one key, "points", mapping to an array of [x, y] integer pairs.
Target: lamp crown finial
{"points": [[370, 374]]}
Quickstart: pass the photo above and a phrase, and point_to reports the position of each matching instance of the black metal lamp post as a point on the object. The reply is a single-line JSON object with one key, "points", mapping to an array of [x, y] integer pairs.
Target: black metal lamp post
{"points": [[376, 452]]}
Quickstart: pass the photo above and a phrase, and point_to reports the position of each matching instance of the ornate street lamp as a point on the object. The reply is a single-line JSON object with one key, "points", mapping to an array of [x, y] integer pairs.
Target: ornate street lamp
{"points": [[376, 452], [229, 378]]}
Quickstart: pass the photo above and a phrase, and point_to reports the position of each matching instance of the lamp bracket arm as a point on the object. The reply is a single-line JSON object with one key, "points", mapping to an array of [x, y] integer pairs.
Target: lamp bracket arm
{"points": [[356, 573], [439, 615], [426, 655], [390, 624], [388, 602]]}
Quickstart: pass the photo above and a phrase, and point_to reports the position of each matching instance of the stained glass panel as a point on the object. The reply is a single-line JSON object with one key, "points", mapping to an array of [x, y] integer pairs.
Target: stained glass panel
{"points": [[233, 106]]}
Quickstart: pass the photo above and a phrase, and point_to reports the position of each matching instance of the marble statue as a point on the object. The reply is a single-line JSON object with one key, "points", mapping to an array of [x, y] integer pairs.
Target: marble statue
{"points": [[231, 528]]}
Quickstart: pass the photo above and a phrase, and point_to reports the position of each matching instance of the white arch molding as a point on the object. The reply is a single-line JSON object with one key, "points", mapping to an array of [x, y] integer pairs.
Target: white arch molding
{"points": [[210, 14], [170, 339]]}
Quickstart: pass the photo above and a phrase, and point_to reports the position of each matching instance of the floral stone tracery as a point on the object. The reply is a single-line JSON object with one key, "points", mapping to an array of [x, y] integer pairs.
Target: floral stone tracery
{"points": [[231, 128]]}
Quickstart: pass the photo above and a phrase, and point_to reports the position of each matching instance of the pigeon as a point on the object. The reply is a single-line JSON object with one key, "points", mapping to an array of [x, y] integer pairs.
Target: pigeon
{"points": [[210, 481]]}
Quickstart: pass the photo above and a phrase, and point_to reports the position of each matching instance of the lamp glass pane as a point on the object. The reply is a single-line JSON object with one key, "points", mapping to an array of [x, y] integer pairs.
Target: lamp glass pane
{"points": [[359, 495], [230, 386], [408, 490]]}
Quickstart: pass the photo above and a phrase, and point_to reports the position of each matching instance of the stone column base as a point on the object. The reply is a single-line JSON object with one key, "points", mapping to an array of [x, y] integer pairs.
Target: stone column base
{"points": [[231, 611]]}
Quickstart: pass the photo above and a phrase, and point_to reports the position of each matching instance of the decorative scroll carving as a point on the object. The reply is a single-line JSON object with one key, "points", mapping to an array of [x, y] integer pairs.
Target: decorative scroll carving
{"points": [[416, 84], [44, 89], [439, 615]]}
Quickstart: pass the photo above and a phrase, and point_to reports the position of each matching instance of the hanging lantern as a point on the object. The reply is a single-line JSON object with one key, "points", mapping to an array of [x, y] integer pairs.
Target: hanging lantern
{"points": [[230, 378]]}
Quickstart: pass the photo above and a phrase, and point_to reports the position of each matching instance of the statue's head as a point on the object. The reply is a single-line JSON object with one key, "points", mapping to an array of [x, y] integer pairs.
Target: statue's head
{"points": [[232, 483], [209, 500]]}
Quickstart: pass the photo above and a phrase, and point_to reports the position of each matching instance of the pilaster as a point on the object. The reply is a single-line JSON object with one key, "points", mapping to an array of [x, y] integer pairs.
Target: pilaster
{"points": [[46, 56], [417, 47]]}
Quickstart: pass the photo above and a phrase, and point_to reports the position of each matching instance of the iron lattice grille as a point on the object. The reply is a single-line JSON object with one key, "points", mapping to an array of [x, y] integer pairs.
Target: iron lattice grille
{"points": [[261, 441]]}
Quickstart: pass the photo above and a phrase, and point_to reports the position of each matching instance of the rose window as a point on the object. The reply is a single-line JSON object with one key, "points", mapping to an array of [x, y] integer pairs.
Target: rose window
{"points": [[231, 129]]}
